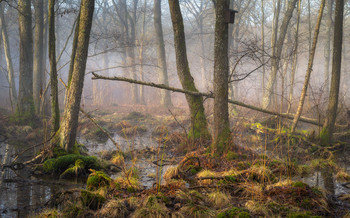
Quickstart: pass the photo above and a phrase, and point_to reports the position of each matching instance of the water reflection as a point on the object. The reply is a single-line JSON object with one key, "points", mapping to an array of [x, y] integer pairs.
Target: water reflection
{"points": [[20, 193]]}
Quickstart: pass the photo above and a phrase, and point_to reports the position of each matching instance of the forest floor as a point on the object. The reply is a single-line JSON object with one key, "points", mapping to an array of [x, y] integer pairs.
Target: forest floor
{"points": [[155, 170]]}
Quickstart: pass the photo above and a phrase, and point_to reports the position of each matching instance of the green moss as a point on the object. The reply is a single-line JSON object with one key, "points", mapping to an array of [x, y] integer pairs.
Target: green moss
{"points": [[62, 163], [91, 200], [277, 208], [299, 185], [193, 169], [231, 155], [302, 215], [74, 171], [97, 179], [233, 213]]}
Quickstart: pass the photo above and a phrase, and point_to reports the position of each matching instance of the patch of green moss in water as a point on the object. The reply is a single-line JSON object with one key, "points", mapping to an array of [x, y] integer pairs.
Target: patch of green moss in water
{"points": [[60, 164]]}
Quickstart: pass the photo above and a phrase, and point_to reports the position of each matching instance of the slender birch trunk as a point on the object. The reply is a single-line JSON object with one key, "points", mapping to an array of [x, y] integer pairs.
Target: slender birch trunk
{"points": [[309, 68]]}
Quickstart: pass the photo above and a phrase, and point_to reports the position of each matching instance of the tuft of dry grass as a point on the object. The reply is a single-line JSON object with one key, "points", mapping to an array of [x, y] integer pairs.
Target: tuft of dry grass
{"points": [[118, 159], [151, 207], [258, 207], [171, 173], [343, 176], [113, 208], [219, 199]]}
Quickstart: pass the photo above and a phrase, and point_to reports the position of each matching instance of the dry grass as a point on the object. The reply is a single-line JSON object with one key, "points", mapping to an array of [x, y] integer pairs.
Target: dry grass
{"points": [[118, 159], [219, 199], [151, 208], [113, 208], [171, 172], [343, 176], [258, 207]]}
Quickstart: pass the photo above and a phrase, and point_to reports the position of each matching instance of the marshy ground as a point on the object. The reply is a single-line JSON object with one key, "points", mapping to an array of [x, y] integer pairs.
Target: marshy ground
{"points": [[155, 170]]}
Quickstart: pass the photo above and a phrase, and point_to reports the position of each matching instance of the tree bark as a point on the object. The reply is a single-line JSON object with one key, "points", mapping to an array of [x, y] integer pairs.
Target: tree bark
{"points": [[162, 66], [221, 73], [38, 54], [276, 56], [25, 106], [327, 46], [328, 127], [55, 112], [295, 60], [10, 71], [309, 68], [71, 112], [199, 127]]}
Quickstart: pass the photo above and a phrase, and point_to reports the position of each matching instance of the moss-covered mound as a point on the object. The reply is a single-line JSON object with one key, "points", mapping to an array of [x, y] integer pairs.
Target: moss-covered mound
{"points": [[97, 179], [61, 164], [91, 200]]}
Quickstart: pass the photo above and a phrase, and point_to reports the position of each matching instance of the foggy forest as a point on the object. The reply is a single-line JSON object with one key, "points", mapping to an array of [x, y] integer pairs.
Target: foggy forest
{"points": [[178, 108]]}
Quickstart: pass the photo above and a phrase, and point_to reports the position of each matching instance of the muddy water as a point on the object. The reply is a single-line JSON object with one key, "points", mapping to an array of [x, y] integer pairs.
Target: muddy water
{"points": [[142, 160], [20, 193]]}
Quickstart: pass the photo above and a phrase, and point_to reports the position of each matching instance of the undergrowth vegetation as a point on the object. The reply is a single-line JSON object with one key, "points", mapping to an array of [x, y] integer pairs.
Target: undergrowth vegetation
{"points": [[264, 179]]}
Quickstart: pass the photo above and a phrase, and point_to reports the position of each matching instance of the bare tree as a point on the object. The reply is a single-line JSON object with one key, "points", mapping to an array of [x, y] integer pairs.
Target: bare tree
{"points": [[162, 66], [38, 82], [199, 128], [276, 53], [10, 71], [71, 113], [25, 106], [55, 112], [327, 46], [326, 134], [309, 68], [221, 74]]}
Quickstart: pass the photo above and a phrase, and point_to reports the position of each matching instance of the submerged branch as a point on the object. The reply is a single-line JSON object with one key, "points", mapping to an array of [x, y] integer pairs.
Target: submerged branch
{"points": [[208, 95]]}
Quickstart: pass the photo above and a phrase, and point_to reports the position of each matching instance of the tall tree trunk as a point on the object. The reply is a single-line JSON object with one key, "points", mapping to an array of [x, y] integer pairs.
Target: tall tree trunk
{"points": [[55, 112], [309, 68], [295, 60], [199, 128], [327, 46], [25, 106], [74, 51], [275, 60], [221, 73], [45, 105], [326, 134], [162, 66], [141, 53], [263, 45], [10, 72], [71, 113], [38, 54]]}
